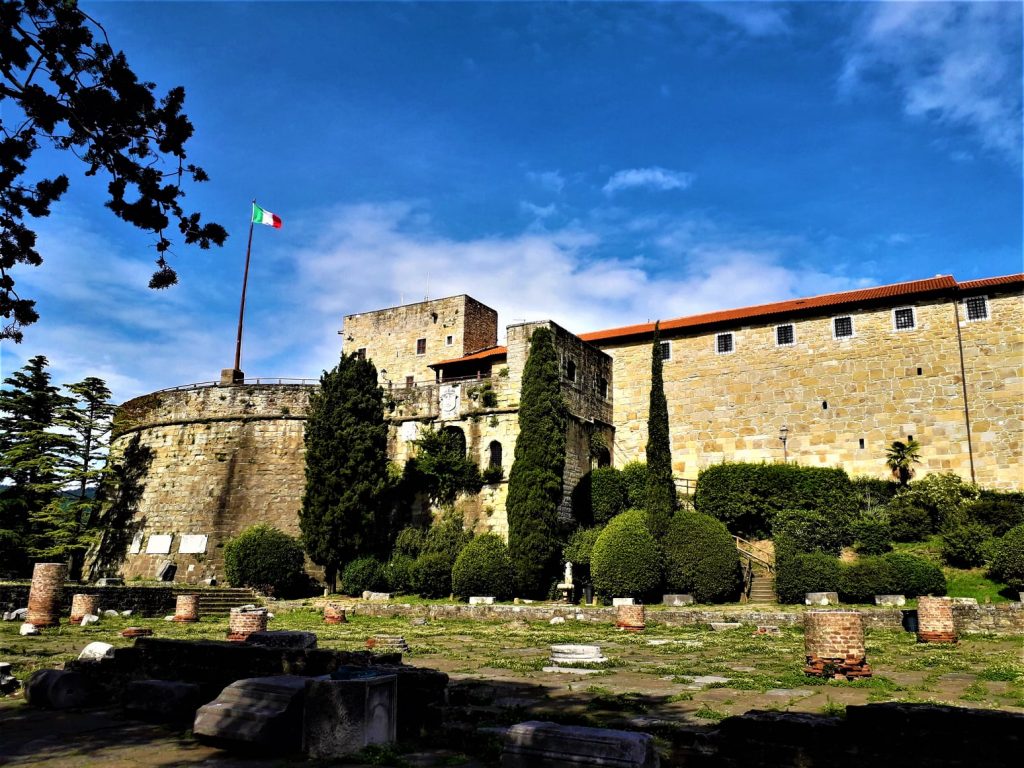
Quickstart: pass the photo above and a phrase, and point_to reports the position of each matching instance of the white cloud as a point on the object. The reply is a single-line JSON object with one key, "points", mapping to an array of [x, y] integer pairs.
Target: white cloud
{"points": [[652, 178], [538, 211], [958, 64], [553, 181], [758, 19]]}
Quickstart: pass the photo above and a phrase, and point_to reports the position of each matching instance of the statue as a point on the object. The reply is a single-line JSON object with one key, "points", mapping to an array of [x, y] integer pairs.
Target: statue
{"points": [[568, 574]]}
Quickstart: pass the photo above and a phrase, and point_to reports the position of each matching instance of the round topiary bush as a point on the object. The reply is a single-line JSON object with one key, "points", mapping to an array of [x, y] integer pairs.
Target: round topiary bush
{"points": [[915, 576], [364, 574], [1008, 561], [265, 559], [867, 577], [871, 535], [432, 575], [483, 568], [581, 546], [965, 545], [626, 561], [908, 521], [398, 572], [701, 558], [797, 573]]}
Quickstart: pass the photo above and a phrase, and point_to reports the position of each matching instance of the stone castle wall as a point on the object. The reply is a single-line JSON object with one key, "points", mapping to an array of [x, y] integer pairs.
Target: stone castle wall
{"points": [[878, 386], [223, 459]]}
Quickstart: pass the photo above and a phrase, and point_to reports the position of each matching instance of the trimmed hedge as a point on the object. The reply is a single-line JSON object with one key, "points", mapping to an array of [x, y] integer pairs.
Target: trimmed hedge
{"points": [[867, 577], [965, 545], [797, 573], [361, 575], [634, 478], [908, 520], [1008, 560], [873, 492], [483, 568], [747, 497], [581, 545], [914, 576], [626, 561], [432, 575], [265, 559], [398, 572], [599, 496], [701, 558], [871, 535], [810, 531]]}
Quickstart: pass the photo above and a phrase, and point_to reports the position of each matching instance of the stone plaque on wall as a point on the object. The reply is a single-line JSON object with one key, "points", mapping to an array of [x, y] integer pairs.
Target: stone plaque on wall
{"points": [[192, 544], [159, 544], [136, 546], [448, 400]]}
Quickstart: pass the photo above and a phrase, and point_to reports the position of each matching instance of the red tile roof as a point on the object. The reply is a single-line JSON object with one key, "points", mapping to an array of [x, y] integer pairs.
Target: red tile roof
{"points": [[483, 354], [987, 282]]}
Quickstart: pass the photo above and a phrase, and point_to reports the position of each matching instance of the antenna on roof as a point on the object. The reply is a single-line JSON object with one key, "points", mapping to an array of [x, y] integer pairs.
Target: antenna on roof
{"points": [[426, 295]]}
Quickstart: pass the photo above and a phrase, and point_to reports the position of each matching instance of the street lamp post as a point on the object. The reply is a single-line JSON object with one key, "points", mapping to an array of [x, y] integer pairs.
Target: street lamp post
{"points": [[784, 436]]}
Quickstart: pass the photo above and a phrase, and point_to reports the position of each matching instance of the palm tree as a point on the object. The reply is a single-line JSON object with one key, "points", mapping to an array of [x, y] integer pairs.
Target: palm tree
{"points": [[901, 457]]}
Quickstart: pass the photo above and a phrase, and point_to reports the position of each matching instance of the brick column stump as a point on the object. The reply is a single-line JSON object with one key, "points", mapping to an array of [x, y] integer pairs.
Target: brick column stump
{"points": [[334, 614], [186, 608], [631, 618], [242, 623], [45, 593], [935, 620], [83, 605], [834, 644]]}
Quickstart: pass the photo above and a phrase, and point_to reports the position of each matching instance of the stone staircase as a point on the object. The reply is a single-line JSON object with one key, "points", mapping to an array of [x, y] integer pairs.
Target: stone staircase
{"points": [[220, 600], [762, 589], [759, 571]]}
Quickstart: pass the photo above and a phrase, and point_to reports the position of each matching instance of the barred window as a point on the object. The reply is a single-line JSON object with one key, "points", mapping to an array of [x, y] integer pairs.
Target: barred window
{"points": [[666, 350], [784, 335], [723, 343], [903, 318], [842, 327], [421, 346], [977, 307]]}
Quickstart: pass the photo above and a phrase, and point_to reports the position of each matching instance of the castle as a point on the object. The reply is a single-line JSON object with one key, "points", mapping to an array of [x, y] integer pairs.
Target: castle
{"points": [[829, 380]]}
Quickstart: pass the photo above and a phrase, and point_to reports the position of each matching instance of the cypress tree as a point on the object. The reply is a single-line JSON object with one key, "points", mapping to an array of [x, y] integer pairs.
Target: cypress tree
{"points": [[345, 504], [661, 490], [535, 482]]}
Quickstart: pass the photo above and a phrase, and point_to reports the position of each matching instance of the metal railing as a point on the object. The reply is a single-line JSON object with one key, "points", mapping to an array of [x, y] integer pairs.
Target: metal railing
{"points": [[244, 382], [750, 551]]}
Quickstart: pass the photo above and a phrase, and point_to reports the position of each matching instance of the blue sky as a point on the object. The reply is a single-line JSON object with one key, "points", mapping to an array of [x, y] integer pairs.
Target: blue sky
{"points": [[597, 164]]}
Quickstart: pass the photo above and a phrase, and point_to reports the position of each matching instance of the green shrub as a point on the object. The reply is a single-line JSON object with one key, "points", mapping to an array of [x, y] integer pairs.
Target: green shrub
{"points": [[634, 478], [607, 493], [625, 561], [810, 531], [797, 573], [361, 575], [945, 495], [446, 537], [701, 558], [998, 514], [865, 578], [410, 541], [871, 535], [432, 575], [908, 520], [964, 545], [483, 568], [580, 546], [1008, 558], [913, 576], [265, 559], [747, 497], [873, 492], [398, 573]]}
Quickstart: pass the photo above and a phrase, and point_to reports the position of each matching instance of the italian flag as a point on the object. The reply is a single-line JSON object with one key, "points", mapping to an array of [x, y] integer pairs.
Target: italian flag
{"points": [[260, 216]]}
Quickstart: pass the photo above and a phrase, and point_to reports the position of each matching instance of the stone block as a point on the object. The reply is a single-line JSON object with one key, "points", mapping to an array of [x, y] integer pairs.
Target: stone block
{"points": [[96, 652], [282, 638], [162, 701], [724, 626], [576, 654], [89, 618], [536, 744], [893, 600], [617, 601], [56, 689], [111, 614], [159, 544], [16, 615], [557, 620], [572, 670], [107, 581], [264, 712], [821, 598], [28, 629], [347, 712], [377, 597], [334, 613], [387, 643], [481, 600], [677, 600]]}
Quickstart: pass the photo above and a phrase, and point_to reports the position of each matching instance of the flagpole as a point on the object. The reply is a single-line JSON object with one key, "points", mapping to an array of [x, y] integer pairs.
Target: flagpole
{"points": [[245, 282]]}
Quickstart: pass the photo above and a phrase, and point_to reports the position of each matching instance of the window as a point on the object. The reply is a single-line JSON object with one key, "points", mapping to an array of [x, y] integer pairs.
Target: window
{"points": [[903, 318], [977, 308], [494, 454], [409, 382], [421, 346], [842, 327], [570, 369], [723, 343], [449, 340], [862, 442], [361, 353], [666, 350], [784, 336], [602, 387]]}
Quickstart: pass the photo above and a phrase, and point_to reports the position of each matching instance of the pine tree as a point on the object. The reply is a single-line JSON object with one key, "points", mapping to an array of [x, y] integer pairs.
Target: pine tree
{"points": [[32, 457], [535, 482], [661, 489], [345, 505]]}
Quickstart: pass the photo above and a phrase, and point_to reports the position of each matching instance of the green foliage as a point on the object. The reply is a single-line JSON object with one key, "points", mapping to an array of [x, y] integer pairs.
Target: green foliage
{"points": [[69, 90], [361, 575], [965, 544], [491, 475], [441, 470], [409, 541], [945, 495], [599, 496], [998, 514], [1008, 558], [901, 457], [908, 520], [535, 482], [626, 560], [871, 535], [634, 477], [121, 493], [483, 568], [872, 491], [581, 545], [398, 573], [810, 531], [432, 575], [701, 558], [914, 576], [266, 559], [345, 506], [797, 573], [447, 537], [865, 578], [661, 489]]}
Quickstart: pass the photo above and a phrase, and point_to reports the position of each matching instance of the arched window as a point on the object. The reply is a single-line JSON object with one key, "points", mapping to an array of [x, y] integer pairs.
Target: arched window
{"points": [[455, 439], [494, 454]]}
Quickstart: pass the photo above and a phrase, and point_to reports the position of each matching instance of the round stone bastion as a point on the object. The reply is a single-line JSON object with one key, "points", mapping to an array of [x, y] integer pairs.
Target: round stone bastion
{"points": [[198, 465]]}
